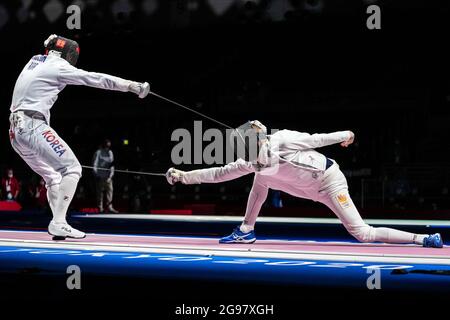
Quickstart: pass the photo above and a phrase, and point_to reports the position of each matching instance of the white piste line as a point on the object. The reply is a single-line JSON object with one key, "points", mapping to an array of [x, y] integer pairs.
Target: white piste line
{"points": [[118, 235], [232, 252], [210, 218], [149, 237]]}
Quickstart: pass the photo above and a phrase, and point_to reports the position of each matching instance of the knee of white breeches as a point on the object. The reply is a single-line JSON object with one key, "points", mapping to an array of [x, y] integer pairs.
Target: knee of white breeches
{"points": [[74, 170], [363, 233]]}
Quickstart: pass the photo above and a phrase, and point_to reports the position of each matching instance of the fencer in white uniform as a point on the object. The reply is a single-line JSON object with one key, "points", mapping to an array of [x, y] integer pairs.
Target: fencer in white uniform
{"points": [[31, 136], [288, 161]]}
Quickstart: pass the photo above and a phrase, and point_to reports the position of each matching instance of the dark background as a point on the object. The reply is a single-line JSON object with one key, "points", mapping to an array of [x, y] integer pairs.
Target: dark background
{"points": [[314, 68]]}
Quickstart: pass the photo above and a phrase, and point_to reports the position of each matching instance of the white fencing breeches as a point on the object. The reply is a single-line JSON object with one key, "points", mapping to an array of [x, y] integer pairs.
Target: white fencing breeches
{"points": [[335, 195], [42, 149], [50, 157]]}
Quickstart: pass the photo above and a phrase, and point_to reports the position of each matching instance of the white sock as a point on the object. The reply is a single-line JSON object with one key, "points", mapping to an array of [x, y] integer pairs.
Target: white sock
{"points": [[389, 235], [66, 192], [246, 228], [418, 238]]}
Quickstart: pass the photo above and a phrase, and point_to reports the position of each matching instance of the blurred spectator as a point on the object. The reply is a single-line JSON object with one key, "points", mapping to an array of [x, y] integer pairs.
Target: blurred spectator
{"points": [[104, 173], [81, 193], [149, 198], [138, 187], [398, 151], [10, 186], [276, 199], [39, 194]]}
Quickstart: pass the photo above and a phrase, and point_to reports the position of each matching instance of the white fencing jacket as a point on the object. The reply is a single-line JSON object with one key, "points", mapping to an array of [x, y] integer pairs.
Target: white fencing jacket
{"points": [[296, 168], [44, 76]]}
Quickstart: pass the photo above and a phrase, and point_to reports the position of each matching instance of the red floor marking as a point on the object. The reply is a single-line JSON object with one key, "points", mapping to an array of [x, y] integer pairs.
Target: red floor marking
{"points": [[272, 245]]}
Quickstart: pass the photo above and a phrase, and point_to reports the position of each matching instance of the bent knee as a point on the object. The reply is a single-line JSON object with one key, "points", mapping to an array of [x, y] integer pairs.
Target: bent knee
{"points": [[363, 233], [75, 170]]}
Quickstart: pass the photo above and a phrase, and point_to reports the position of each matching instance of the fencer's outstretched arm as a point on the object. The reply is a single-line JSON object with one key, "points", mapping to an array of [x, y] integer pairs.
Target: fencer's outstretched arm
{"points": [[70, 75], [303, 141], [228, 172]]}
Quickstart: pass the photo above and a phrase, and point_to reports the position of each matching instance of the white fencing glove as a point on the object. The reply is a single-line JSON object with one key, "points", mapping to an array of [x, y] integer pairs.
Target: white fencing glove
{"points": [[50, 38], [141, 89], [348, 142], [174, 175], [259, 125]]}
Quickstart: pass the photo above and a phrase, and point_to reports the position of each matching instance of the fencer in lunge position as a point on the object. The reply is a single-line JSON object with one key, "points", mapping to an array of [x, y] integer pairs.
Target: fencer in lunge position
{"points": [[31, 136], [288, 161]]}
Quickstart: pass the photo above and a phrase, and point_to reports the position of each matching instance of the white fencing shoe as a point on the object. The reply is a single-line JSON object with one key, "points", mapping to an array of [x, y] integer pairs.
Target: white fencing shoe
{"points": [[61, 231]]}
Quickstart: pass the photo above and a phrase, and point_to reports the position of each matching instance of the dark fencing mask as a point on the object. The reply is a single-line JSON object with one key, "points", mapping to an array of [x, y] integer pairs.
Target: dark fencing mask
{"points": [[69, 49], [246, 140]]}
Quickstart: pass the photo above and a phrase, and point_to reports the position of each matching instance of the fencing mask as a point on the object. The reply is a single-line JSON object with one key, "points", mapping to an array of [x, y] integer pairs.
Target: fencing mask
{"points": [[68, 49], [246, 140]]}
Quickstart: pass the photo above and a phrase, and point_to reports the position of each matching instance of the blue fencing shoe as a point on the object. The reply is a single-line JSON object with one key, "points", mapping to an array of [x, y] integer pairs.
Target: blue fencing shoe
{"points": [[433, 241], [239, 237]]}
